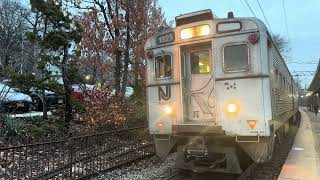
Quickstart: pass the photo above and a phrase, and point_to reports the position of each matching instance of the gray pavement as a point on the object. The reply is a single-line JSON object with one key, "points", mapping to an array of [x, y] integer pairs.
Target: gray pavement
{"points": [[303, 161]]}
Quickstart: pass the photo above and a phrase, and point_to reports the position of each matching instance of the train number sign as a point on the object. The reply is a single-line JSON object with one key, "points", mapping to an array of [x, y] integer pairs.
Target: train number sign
{"points": [[165, 38]]}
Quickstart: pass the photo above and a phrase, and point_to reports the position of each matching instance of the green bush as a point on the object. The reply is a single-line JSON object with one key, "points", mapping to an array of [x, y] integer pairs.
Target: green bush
{"points": [[11, 126], [138, 114], [39, 130]]}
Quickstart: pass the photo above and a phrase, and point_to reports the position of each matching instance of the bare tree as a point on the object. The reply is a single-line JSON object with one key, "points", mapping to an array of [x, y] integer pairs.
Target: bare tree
{"points": [[14, 47], [119, 29], [282, 44]]}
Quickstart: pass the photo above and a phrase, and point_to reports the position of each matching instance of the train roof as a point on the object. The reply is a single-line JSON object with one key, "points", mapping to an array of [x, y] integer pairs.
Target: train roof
{"points": [[248, 24], [315, 83]]}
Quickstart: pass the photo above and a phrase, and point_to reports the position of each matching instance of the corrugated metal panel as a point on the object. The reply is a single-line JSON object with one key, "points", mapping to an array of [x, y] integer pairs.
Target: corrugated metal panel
{"points": [[283, 98]]}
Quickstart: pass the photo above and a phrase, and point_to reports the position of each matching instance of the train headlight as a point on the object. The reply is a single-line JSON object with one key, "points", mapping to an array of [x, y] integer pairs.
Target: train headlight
{"points": [[186, 33], [204, 30], [168, 109], [232, 108], [196, 31]]}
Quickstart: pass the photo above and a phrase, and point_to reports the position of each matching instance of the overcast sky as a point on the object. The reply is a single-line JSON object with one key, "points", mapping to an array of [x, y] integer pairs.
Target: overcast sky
{"points": [[302, 18]]}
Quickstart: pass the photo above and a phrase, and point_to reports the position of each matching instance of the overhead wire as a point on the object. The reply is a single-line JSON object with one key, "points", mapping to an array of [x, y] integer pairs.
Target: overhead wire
{"points": [[243, 4], [264, 15], [248, 5], [285, 18]]}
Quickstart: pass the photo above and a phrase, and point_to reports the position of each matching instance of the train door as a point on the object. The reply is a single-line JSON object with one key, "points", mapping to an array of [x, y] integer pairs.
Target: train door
{"points": [[198, 84]]}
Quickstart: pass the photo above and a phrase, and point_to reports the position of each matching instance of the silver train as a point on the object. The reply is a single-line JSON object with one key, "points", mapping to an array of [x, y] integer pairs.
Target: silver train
{"points": [[218, 92]]}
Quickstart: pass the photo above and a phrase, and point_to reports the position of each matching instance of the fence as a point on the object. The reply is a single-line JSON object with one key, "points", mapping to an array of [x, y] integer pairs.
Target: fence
{"points": [[77, 157]]}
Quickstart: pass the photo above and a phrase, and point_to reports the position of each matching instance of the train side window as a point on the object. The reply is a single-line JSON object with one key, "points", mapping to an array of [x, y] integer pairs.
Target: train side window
{"points": [[200, 62], [236, 57], [163, 67]]}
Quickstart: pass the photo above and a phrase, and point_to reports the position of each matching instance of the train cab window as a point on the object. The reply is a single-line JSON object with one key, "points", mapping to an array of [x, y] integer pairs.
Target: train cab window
{"points": [[163, 67], [200, 62], [236, 57]]}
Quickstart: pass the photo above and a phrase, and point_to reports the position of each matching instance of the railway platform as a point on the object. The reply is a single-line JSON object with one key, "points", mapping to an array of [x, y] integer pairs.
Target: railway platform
{"points": [[303, 161]]}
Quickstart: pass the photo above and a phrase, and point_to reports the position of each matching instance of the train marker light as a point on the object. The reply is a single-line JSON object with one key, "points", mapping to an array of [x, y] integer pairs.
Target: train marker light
{"points": [[167, 109], [160, 125], [252, 123], [149, 54], [253, 38], [197, 31]]}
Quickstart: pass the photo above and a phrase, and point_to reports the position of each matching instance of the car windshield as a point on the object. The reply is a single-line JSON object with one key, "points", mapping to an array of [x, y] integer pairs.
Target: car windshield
{"points": [[5, 89], [81, 87], [129, 89]]}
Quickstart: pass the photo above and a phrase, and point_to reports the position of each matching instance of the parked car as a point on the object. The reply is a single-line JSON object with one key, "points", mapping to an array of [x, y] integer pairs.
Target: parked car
{"points": [[78, 90], [52, 98], [11, 100], [129, 92]]}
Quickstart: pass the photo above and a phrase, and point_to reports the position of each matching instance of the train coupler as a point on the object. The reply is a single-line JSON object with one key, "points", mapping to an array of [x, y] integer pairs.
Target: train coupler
{"points": [[196, 149]]}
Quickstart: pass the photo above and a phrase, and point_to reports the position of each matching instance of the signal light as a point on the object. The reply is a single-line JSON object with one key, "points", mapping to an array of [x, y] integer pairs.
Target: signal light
{"points": [[149, 54], [253, 38], [252, 123]]}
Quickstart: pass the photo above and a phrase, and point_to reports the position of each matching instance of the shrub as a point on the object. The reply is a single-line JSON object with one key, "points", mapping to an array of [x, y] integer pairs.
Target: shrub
{"points": [[102, 109], [10, 126]]}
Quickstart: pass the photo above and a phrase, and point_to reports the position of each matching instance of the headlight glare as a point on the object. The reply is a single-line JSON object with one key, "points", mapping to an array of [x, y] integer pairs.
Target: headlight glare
{"points": [[232, 108], [168, 109]]}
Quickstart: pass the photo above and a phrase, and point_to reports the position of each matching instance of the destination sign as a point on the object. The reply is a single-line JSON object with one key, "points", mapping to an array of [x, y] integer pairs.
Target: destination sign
{"points": [[165, 38]]}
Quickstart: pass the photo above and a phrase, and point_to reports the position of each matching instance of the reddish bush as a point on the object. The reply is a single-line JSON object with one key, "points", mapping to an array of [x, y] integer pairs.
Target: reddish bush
{"points": [[102, 108]]}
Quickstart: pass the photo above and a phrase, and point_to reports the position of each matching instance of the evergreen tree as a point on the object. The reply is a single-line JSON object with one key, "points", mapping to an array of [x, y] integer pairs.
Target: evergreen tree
{"points": [[60, 34]]}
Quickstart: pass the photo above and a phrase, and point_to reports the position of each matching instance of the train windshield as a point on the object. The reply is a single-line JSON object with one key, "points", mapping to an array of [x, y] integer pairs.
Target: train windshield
{"points": [[163, 66], [200, 63], [236, 57]]}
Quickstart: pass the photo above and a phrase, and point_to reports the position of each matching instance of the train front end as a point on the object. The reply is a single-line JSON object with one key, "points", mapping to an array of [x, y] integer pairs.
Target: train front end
{"points": [[207, 92]]}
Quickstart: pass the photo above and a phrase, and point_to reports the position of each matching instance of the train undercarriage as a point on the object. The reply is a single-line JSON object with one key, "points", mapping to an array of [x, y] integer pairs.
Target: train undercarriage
{"points": [[221, 153]]}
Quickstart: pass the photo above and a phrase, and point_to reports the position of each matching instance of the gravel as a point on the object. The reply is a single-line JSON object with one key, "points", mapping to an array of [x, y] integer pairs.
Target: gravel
{"points": [[148, 169]]}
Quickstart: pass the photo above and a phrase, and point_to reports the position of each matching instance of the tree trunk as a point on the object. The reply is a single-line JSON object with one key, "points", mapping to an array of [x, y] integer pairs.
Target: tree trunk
{"points": [[117, 72], [6, 60], [126, 57], [118, 66], [44, 105], [44, 97], [67, 89]]}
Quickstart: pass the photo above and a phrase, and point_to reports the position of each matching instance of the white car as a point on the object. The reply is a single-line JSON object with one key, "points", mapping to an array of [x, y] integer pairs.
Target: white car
{"points": [[11, 100], [129, 92]]}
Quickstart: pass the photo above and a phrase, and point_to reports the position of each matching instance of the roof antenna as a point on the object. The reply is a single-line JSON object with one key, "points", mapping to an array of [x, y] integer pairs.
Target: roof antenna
{"points": [[230, 15]]}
